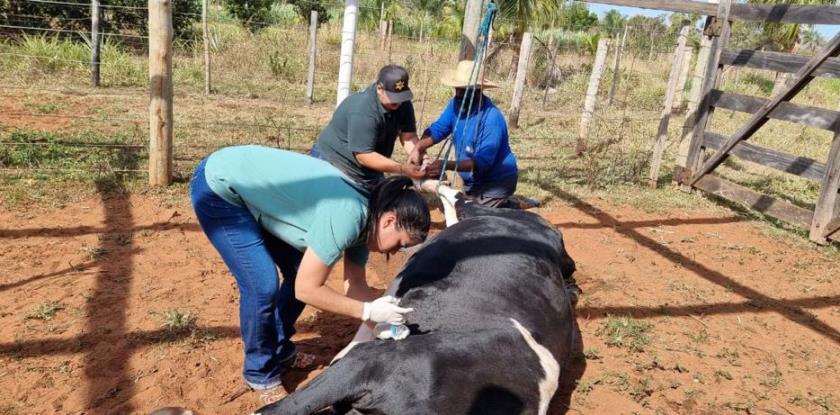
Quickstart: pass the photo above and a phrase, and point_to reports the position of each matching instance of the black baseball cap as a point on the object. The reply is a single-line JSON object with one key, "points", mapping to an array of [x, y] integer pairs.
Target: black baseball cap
{"points": [[394, 81]]}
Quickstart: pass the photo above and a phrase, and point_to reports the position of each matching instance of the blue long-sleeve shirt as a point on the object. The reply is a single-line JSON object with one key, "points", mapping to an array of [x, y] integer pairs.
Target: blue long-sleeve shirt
{"points": [[488, 147]]}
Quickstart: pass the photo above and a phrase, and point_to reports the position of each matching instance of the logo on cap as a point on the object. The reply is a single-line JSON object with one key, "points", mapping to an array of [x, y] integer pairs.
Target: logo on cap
{"points": [[399, 85]]}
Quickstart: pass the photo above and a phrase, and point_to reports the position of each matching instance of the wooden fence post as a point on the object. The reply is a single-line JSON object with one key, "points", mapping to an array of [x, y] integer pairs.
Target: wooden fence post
{"points": [[348, 40], [591, 96], [313, 49], [679, 95], [383, 26], [422, 25], [160, 92], [652, 49], [827, 203], [711, 80], [549, 79], [96, 42], [428, 56], [390, 39], [694, 97], [472, 19], [617, 67], [665, 115], [205, 34], [519, 82]]}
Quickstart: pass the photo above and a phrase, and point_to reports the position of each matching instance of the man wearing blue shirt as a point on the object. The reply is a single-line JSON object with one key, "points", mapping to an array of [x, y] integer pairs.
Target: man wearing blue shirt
{"points": [[483, 156]]}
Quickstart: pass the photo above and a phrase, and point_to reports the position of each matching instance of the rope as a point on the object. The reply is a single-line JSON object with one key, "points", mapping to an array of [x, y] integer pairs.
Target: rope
{"points": [[482, 39]]}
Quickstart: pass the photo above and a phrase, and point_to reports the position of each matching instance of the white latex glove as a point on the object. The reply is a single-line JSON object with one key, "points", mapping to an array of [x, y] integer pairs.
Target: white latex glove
{"points": [[385, 310]]}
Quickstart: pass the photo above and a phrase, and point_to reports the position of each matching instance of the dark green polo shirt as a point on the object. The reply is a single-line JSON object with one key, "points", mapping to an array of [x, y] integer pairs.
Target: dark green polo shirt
{"points": [[361, 125]]}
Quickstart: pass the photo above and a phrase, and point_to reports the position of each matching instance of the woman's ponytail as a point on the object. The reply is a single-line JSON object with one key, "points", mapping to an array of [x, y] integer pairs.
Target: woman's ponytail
{"points": [[397, 194]]}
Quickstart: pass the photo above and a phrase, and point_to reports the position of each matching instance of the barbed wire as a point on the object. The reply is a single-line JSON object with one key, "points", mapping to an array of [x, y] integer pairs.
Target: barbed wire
{"points": [[286, 134], [47, 29], [91, 91], [72, 144], [86, 5], [68, 170], [53, 58]]}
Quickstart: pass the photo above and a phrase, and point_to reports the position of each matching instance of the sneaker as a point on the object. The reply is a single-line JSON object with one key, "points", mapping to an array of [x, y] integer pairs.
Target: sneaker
{"points": [[271, 395]]}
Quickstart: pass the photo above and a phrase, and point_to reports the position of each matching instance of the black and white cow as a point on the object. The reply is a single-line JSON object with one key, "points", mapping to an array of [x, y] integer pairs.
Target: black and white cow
{"points": [[491, 331]]}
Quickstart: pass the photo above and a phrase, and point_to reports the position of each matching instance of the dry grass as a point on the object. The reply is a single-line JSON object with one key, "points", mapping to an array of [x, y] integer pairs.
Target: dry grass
{"points": [[259, 81]]}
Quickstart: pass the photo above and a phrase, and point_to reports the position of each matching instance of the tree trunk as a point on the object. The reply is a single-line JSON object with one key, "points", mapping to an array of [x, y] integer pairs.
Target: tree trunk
{"points": [[516, 44]]}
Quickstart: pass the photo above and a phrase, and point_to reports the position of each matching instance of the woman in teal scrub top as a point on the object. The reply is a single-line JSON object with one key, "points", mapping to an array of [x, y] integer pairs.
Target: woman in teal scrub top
{"points": [[264, 209]]}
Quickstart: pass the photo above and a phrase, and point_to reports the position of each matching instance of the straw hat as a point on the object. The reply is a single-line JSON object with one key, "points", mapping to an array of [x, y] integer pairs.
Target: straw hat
{"points": [[460, 77]]}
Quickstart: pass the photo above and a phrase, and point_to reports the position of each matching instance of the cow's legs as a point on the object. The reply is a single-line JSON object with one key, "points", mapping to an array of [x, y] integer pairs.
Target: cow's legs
{"points": [[446, 195]]}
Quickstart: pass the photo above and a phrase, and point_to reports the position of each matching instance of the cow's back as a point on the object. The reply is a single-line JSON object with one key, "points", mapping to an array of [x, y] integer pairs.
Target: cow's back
{"points": [[488, 269]]}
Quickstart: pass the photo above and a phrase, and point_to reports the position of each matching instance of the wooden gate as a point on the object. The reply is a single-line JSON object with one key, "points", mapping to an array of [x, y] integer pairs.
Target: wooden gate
{"points": [[823, 221]]}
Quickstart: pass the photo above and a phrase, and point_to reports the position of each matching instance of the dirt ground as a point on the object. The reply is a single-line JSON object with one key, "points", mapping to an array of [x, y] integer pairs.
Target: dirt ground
{"points": [[740, 321]]}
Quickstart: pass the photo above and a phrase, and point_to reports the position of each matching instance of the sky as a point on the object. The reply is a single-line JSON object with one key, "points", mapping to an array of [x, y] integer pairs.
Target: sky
{"points": [[827, 31]]}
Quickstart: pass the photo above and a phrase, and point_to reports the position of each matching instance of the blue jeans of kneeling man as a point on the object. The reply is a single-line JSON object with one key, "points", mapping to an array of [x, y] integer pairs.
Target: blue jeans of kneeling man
{"points": [[267, 309]]}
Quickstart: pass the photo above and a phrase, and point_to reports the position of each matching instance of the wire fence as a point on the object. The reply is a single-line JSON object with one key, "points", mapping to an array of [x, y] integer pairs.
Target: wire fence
{"points": [[258, 80]]}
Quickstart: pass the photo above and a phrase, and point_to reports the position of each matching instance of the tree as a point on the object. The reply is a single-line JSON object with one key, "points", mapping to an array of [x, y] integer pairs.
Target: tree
{"points": [[305, 8], [647, 34], [578, 17], [451, 19], [612, 23], [781, 36], [811, 40], [252, 13], [520, 13], [115, 19]]}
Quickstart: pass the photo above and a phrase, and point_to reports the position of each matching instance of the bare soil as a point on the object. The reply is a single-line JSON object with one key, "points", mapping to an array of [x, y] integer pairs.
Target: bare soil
{"points": [[740, 321]]}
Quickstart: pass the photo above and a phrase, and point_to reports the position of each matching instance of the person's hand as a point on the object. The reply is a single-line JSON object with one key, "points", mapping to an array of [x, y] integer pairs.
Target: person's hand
{"points": [[413, 171], [385, 310], [433, 169], [416, 157]]}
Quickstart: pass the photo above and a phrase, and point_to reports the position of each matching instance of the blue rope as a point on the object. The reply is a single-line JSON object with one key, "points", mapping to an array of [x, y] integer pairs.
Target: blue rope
{"points": [[482, 39]]}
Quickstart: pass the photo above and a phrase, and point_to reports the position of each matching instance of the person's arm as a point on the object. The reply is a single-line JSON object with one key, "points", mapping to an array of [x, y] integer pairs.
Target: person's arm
{"points": [[378, 162], [355, 281], [327, 239], [409, 141], [436, 132], [408, 127], [310, 288]]}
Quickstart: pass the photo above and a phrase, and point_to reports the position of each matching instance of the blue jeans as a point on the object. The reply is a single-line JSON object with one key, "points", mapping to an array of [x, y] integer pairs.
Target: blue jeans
{"points": [[267, 309]]}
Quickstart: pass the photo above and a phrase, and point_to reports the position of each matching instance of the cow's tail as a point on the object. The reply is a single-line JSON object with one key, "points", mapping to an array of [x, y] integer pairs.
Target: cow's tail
{"points": [[341, 383]]}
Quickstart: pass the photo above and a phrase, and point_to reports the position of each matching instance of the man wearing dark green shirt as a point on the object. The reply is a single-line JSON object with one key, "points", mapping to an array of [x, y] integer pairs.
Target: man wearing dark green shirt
{"points": [[359, 140]]}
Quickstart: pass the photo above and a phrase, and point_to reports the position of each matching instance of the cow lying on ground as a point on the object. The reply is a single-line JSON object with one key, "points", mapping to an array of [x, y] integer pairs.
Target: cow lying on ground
{"points": [[491, 330]]}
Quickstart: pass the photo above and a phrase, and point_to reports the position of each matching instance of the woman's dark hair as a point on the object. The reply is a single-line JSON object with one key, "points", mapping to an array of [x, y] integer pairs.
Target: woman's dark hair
{"points": [[396, 194]]}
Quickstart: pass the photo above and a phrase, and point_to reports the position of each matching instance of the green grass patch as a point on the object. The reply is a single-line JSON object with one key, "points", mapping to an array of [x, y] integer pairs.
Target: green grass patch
{"points": [[592, 354], [178, 321], [39, 57], [71, 156], [772, 379], [626, 332], [45, 312]]}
